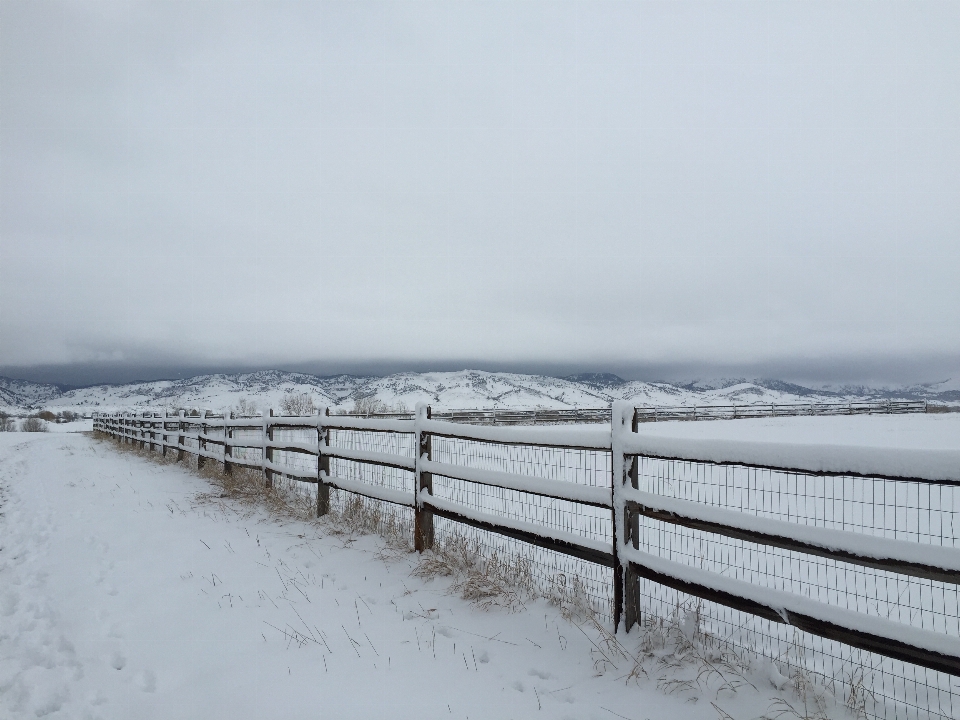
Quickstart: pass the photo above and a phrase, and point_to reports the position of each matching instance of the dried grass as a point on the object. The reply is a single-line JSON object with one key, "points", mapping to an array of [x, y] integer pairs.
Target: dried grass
{"points": [[487, 580]]}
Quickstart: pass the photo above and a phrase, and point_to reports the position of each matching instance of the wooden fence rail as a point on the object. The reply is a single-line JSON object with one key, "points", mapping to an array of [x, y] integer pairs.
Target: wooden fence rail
{"points": [[217, 436]]}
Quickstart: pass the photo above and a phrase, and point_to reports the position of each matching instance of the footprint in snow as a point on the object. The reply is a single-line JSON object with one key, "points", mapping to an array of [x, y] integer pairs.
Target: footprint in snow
{"points": [[118, 661], [518, 686]]}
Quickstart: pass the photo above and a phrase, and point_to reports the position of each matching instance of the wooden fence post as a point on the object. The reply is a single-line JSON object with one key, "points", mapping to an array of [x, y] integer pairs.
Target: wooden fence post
{"points": [[227, 448], [631, 583], [201, 443], [181, 440], [267, 451], [423, 519], [323, 466], [152, 430], [625, 523], [163, 434]]}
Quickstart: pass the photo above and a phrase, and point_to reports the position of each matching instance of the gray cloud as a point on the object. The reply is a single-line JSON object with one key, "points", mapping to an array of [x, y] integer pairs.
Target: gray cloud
{"points": [[646, 185]]}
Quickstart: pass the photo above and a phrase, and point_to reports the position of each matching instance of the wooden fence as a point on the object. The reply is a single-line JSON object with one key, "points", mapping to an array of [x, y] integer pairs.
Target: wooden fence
{"points": [[758, 410], [626, 505]]}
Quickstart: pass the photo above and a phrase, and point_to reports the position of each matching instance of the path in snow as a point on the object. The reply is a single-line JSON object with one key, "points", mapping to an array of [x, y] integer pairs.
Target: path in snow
{"points": [[122, 597]]}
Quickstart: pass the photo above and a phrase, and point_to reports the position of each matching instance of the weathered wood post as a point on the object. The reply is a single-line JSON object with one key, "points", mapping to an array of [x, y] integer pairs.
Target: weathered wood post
{"points": [[423, 519], [201, 443], [151, 430], [626, 523], [181, 440], [163, 435], [267, 450], [227, 447], [631, 583], [323, 465]]}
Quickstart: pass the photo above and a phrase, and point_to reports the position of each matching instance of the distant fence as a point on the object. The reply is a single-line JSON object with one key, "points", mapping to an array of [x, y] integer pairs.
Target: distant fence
{"points": [[758, 410], [830, 563], [510, 416]]}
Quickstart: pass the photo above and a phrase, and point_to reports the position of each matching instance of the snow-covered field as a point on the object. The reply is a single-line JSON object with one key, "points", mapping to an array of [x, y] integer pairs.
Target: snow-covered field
{"points": [[122, 595]]}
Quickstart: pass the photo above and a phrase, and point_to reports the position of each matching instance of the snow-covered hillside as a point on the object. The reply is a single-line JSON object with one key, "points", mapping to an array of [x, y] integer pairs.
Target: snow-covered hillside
{"points": [[22, 393], [444, 390]]}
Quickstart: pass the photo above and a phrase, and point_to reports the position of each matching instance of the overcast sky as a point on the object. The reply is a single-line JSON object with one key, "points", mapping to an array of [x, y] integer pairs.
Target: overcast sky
{"points": [[514, 185]]}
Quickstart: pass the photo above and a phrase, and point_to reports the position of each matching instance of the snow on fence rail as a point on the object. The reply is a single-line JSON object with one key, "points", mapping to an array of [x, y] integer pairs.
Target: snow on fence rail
{"points": [[757, 410], [760, 536], [512, 416]]}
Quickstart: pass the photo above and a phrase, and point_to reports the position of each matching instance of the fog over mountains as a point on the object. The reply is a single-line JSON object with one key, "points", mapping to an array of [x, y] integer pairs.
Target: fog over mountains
{"points": [[444, 390]]}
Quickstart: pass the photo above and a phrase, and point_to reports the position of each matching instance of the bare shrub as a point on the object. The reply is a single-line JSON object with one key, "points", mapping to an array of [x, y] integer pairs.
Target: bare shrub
{"points": [[67, 416], [33, 424], [298, 404], [46, 415], [933, 408], [7, 423], [372, 405], [245, 408]]}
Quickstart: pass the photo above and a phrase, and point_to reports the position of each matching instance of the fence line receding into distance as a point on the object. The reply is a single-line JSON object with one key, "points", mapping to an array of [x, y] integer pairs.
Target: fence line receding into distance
{"points": [[831, 570]]}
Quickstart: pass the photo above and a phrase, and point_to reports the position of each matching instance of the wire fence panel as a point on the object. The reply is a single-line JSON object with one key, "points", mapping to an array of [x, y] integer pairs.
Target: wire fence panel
{"points": [[551, 570], [905, 510]]}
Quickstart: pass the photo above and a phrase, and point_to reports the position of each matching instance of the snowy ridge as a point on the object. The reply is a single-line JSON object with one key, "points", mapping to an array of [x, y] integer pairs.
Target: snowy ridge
{"points": [[471, 389]]}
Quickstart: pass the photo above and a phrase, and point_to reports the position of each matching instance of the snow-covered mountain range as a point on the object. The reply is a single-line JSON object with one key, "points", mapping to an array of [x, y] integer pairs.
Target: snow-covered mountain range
{"points": [[444, 390]]}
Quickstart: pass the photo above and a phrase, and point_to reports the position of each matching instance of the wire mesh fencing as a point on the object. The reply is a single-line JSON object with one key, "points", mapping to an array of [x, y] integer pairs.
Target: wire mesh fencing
{"points": [[521, 496], [925, 513]]}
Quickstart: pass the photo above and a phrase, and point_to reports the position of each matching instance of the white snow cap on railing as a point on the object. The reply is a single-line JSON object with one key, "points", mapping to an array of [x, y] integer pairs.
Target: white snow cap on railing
{"points": [[553, 436], [941, 464]]}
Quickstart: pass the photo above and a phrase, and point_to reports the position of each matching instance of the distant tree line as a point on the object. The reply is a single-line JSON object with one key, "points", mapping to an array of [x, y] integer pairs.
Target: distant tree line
{"points": [[37, 421]]}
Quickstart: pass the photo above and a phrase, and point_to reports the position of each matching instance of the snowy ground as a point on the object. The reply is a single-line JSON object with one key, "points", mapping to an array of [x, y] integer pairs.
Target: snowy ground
{"points": [[71, 427], [122, 596]]}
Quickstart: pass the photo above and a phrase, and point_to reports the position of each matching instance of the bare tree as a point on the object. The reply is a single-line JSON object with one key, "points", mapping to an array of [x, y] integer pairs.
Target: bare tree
{"points": [[297, 404], [372, 405], [7, 423], [245, 407], [33, 424]]}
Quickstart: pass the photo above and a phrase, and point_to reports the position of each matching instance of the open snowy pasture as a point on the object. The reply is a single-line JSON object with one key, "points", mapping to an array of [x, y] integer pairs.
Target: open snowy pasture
{"points": [[124, 592]]}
